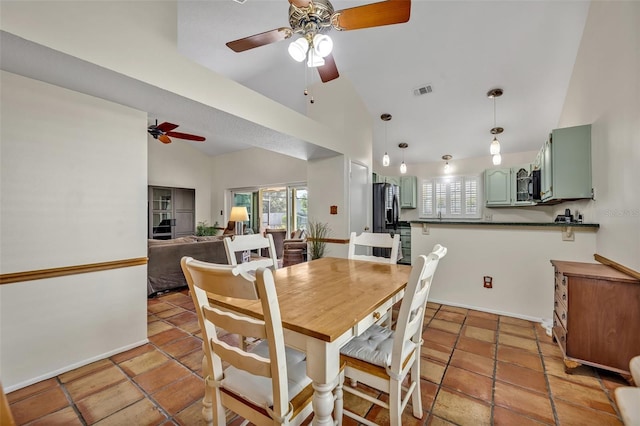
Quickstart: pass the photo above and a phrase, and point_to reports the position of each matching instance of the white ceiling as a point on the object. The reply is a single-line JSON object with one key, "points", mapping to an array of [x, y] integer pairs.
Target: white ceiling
{"points": [[461, 48]]}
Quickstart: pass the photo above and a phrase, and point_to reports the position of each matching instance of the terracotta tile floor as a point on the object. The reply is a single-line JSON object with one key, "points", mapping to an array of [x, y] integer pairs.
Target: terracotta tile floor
{"points": [[477, 368]]}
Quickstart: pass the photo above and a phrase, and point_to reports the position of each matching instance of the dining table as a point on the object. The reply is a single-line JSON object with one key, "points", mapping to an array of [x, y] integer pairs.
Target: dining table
{"points": [[324, 303]]}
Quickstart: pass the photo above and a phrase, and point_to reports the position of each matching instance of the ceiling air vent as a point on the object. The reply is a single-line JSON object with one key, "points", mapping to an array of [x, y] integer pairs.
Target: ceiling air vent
{"points": [[423, 90]]}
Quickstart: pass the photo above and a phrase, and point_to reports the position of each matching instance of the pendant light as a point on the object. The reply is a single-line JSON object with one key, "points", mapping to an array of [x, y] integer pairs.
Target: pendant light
{"points": [[385, 158], [403, 166], [494, 148], [447, 167]]}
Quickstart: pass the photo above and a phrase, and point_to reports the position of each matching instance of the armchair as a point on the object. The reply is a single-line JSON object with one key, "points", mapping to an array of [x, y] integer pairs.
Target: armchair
{"points": [[295, 248]]}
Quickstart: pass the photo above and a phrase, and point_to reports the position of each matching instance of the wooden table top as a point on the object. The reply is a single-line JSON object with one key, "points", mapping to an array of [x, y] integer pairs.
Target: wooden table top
{"points": [[325, 297]]}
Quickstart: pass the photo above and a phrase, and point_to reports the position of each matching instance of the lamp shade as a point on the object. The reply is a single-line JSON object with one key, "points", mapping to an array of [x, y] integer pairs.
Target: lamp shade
{"points": [[497, 159], [403, 168], [385, 160], [239, 214]]}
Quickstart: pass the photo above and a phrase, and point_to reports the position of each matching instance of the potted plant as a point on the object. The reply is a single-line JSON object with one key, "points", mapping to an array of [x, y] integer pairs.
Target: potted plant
{"points": [[318, 232], [203, 229]]}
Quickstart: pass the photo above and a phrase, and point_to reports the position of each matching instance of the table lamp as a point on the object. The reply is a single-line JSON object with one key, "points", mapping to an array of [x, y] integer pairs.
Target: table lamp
{"points": [[239, 215]]}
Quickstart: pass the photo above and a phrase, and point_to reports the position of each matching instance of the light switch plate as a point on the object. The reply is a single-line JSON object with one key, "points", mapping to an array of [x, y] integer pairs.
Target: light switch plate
{"points": [[425, 229]]}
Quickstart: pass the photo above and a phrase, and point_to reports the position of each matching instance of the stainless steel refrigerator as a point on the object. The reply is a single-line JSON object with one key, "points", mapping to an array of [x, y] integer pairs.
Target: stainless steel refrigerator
{"points": [[386, 211]]}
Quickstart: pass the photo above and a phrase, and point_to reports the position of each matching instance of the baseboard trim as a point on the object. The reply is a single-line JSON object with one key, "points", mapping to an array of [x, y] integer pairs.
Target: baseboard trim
{"points": [[70, 270], [616, 266], [73, 366], [490, 311]]}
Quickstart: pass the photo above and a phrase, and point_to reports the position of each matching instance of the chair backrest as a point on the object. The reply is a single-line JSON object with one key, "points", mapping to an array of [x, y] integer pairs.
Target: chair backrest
{"points": [[279, 235], [411, 315], [374, 240], [206, 279], [243, 243]]}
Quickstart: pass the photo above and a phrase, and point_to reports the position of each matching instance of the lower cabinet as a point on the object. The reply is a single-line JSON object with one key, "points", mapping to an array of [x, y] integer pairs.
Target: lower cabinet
{"points": [[596, 316], [405, 243]]}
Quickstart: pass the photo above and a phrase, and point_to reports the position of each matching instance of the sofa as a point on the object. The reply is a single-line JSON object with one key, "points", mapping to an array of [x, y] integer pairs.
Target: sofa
{"points": [[163, 265]]}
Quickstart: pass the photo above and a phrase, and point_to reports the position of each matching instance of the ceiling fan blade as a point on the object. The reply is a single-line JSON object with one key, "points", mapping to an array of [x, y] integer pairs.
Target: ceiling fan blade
{"points": [[164, 139], [186, 136], [261, 39], [300, 3], [328, 71], [166, 127], [374, 15]]}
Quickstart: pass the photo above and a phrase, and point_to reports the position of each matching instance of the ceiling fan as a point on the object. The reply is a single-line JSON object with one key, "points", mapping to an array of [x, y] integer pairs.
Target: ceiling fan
{"points": [[313, 18], [162, 132]]}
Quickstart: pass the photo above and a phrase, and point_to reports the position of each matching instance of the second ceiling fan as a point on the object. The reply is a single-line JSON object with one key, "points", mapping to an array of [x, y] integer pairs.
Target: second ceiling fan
{"points": [[312, 19]]}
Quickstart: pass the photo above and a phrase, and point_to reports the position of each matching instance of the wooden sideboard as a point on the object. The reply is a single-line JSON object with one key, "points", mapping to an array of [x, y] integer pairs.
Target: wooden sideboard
{"points": [[596, 316]]}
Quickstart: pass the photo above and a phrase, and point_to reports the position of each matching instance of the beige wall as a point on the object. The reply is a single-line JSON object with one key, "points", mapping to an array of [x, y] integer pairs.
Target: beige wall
{"points": [[180, 165], [605, 91], [249, 169], [73, 184]]}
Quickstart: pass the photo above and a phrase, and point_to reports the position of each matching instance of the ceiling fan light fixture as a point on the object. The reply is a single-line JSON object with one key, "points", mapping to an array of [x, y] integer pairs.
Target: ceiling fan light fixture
{"points": [[314, 60], [322, 44], [298, 49]]}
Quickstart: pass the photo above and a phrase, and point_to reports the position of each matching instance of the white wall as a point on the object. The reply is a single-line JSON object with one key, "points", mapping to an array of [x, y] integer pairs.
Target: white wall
{"points": [[180, 165], [249, 169], [73, 187], [518, 259], [605, 91]]}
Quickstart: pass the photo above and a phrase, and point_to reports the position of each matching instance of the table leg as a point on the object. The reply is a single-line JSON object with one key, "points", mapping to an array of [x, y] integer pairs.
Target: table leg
{"points": [[322, 403]]}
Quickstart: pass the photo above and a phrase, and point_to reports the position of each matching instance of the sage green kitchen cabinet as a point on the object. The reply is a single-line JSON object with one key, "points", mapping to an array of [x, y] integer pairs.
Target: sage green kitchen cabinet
{"points": [[408, 192], [566, 168], [520, 185], [497, 187]]}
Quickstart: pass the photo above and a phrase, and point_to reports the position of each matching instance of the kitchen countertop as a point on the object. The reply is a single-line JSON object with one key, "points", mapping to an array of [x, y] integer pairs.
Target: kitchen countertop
{"points": [[485, 223]]}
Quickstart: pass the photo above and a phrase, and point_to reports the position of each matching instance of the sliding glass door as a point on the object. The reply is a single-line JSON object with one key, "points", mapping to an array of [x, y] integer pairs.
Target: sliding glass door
{"points": [[283, 207]]}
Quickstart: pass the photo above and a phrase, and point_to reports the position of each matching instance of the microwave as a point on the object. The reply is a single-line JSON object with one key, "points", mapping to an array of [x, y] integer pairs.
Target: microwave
{"points": [[536, 185]]}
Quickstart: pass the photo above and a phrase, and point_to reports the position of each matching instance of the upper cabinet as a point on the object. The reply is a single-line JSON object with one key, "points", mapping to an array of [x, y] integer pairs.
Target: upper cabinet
{"points": [[566, 165], [497, 187], [408, 192], [508, 186]]}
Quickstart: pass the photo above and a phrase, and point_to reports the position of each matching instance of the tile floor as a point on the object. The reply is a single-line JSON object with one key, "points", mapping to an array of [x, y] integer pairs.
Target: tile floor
{"points": [[477, 369]]}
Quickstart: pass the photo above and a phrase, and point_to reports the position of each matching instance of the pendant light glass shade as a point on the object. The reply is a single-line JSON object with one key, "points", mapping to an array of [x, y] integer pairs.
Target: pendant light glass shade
{"points": [[403, 168], [497, 159], [494, 148], [447, 168], [314, 60], [385, 160]]}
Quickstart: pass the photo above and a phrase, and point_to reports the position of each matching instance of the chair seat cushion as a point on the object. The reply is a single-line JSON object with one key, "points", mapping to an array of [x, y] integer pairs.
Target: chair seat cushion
{"points": [[374, 346], [257, 389]]}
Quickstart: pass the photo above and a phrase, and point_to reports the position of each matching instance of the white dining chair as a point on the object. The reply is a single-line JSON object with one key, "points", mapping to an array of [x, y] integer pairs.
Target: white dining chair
{"points": [[628, 397], [382, 358], [266, 385], [249, 243], [370, 240]]}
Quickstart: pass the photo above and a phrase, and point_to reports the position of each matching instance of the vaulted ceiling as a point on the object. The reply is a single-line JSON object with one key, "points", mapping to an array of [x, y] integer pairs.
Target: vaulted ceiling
{"points": [[461, 49]]}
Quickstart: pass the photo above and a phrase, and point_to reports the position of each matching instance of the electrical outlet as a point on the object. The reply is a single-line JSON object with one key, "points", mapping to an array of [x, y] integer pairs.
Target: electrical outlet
{"points": [[488, 217], [488, 281], [425, 229]]}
